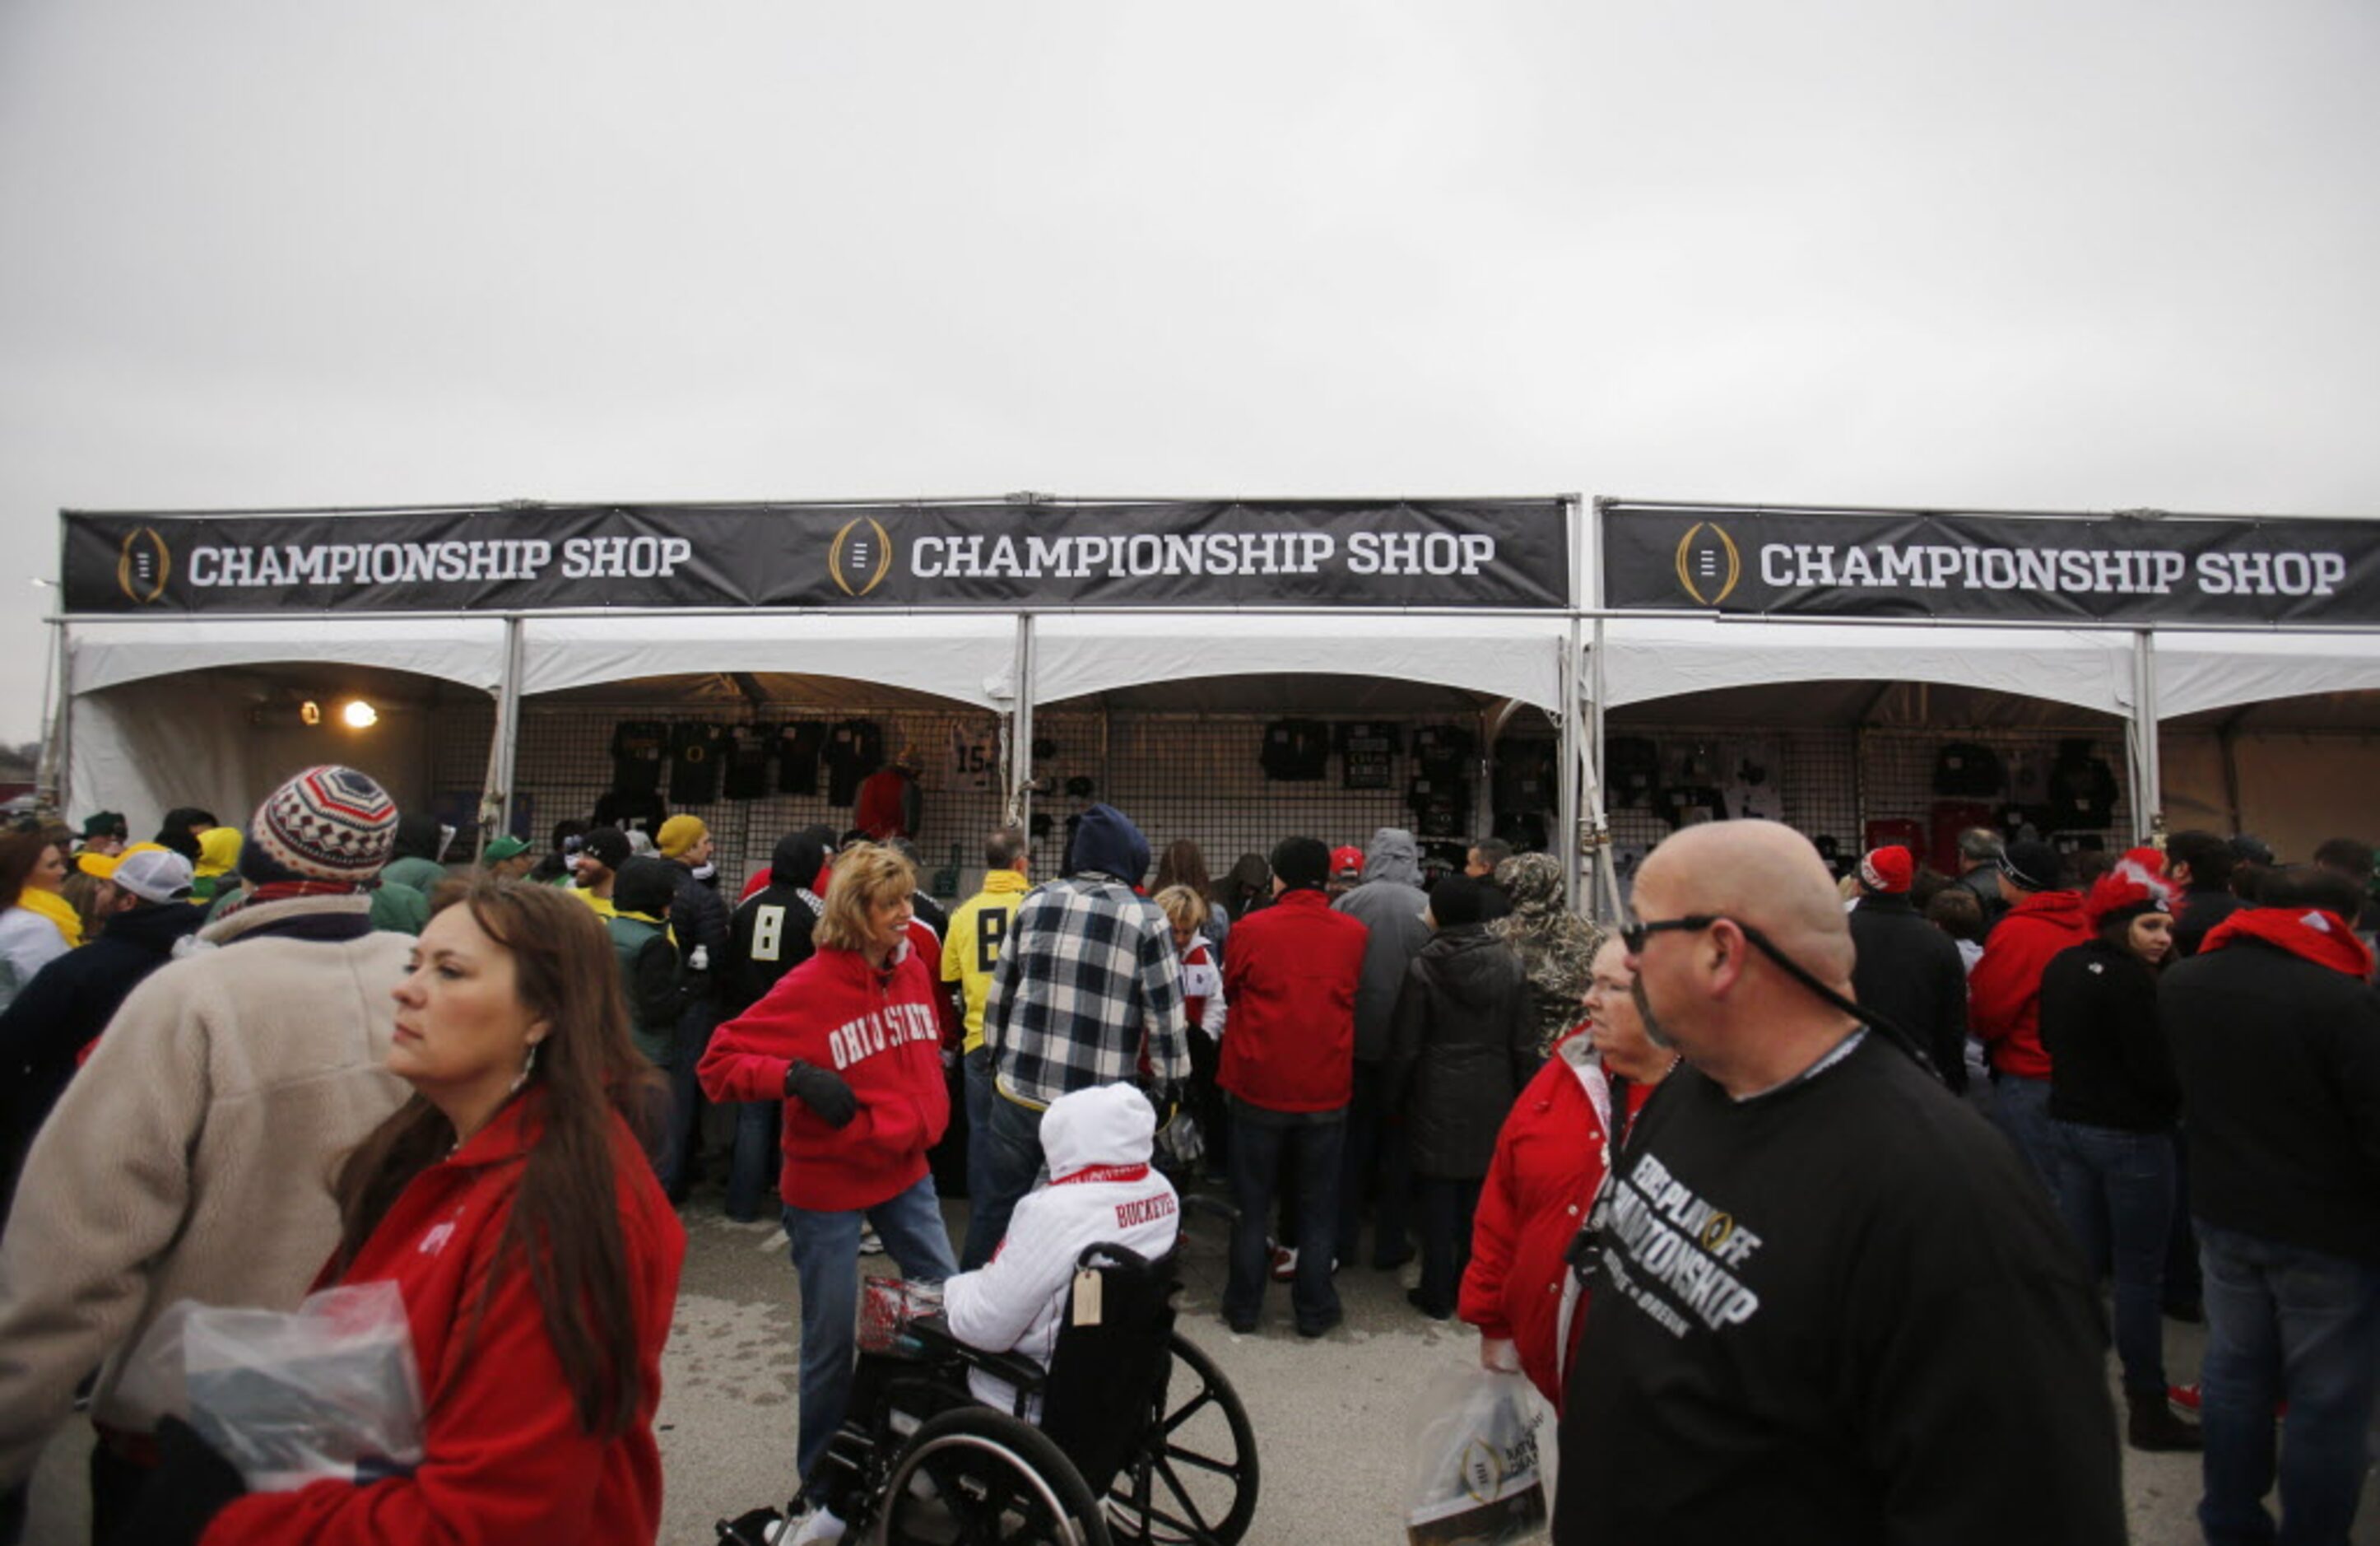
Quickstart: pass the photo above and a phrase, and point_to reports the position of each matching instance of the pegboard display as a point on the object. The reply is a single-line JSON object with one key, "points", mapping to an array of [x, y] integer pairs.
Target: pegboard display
{"points": [[1659, 777], [1863, 787], [563, 766], [1207, 777]]}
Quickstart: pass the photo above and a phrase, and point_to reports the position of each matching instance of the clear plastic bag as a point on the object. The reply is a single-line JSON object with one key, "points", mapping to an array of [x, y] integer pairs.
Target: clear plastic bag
{"points": [[327, 1390], [1477, 1481]]}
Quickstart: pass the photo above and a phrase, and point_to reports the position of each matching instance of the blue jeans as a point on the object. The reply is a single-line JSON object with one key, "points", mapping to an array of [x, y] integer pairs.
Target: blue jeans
{"points": [[2284, 1322], [826, 1258], [2021, 1108], [752, 1170], [2114, 1190], [1308, 1143], [1010, 1140]]}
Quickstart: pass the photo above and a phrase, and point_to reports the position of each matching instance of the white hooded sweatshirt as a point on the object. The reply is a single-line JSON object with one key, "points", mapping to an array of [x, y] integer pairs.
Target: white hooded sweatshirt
{"points": [[1101, 1191]]}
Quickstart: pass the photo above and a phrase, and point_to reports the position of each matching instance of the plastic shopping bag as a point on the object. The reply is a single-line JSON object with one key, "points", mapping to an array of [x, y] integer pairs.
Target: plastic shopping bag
{"points": [[1475, 1479], [329, 1389]]}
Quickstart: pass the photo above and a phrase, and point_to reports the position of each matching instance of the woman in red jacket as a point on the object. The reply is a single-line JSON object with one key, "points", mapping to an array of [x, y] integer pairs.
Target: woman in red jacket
{"points": [[510, 1200], [1550, 1159], [851, 1040]]}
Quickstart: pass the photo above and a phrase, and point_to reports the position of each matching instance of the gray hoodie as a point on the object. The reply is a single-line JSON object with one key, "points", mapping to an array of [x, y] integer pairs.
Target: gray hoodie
{"points": [[1389, 903]]}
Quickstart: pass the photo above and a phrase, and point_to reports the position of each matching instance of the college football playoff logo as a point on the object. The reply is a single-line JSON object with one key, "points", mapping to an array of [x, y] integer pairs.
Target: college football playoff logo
{"points": [[143, 565], [1708, 565], [861, 557]]}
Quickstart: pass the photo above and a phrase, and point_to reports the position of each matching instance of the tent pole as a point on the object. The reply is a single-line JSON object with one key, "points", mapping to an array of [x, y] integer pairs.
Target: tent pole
{"points": [[1609, 908], [2148, 774], [496, 802], [1573, 764], [58, 717], [1020, 735]]}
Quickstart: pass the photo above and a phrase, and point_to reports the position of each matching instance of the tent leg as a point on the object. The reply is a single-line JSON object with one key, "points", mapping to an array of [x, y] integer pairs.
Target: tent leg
{"points": [[1573, 765], [496, 799], [2141, 744], [1020, 735]]}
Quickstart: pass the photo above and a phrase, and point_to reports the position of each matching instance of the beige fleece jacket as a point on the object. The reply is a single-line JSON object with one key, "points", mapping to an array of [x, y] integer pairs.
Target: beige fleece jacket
{"points": [[191, 1157]]}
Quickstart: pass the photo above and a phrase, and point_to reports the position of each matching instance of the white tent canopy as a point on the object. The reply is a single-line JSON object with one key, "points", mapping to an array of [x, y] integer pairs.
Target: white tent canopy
{"points": [[1077, 654], [469, 651], [1655, 658], [966, 657], [2197, 672]]}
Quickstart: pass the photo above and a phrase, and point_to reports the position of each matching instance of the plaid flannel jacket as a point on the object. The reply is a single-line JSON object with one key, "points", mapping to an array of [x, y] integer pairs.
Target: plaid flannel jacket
{"points": [[1087, 977]]}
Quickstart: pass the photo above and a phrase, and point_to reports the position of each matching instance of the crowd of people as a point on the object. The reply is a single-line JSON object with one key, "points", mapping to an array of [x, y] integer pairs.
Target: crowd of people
{"points": [[1794, 1198]]}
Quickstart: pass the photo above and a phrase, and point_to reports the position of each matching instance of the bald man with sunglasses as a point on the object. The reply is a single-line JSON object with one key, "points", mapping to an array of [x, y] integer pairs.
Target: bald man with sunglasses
{"points": [[1830, 1302]]}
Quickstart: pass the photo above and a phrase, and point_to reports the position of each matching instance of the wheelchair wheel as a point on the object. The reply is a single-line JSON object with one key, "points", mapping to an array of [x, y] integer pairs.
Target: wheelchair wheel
{"points": [[1193, 1483], [976, 1477]]}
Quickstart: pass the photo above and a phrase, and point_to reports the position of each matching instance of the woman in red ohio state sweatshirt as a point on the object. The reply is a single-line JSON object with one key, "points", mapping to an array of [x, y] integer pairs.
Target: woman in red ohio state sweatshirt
{"points": [[851, 1040]]}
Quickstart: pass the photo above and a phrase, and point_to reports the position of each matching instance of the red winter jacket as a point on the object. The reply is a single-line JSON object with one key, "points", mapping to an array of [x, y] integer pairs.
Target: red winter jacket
{"points": [[1550, 1157], [1290, 975], [2004, 990], [883, 1032], [506, 1458]]}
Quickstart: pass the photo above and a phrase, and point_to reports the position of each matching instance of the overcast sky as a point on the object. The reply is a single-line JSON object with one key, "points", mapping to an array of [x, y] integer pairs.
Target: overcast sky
{"points": [[2010, 253]]}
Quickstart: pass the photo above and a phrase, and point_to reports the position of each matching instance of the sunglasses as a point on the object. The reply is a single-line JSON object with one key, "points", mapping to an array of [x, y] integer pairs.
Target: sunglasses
{"points": [[1632, 936]]}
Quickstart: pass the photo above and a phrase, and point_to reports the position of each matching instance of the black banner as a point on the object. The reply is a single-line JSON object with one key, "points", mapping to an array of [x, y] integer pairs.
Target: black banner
{"points": [[1502, 554], [2132, 568]]}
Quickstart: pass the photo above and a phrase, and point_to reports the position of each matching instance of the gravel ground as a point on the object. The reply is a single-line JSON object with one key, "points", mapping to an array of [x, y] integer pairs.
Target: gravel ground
{"points": [[1331, 1415]]}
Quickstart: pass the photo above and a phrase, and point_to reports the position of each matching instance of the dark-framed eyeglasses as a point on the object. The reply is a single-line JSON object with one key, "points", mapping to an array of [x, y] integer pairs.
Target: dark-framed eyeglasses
{"points": [[1633, 935]]}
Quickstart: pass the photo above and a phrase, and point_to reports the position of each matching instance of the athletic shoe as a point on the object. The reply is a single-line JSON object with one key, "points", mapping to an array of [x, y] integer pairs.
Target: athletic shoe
{"points": [[1285, 1263], [2183, 1396], [869, 1244], [817, 1527]]}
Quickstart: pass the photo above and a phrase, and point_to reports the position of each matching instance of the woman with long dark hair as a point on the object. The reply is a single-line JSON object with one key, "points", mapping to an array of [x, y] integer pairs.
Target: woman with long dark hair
{"points": [[2114, 1100], [509, 1200]]}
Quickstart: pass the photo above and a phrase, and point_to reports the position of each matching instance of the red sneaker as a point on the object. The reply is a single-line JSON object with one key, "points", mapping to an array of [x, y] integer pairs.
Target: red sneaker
{"points": [[2183, 1396]]}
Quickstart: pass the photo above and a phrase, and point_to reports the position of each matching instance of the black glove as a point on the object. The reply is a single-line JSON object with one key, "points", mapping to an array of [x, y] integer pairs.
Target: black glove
{"points": [[821, 1089], [181, 1498]]}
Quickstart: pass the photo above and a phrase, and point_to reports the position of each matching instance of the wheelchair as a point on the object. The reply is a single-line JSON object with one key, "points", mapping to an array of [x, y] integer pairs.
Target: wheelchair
{"points": [[1142, 1441]]}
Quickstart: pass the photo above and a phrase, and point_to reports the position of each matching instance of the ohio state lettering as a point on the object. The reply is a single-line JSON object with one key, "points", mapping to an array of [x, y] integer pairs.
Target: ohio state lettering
{"points": [[882, 1028]]}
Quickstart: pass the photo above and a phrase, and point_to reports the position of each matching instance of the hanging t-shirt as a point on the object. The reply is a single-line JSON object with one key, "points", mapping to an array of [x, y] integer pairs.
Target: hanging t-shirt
{"points": [[974, 758], [697, 749], [747, 756], [1805, 1299], [1748, 781], [638, 747], [798, 744], [1442, 807], [854, 749], [1524, 776], [1443, 750], [1367, 753], [888, 805], [1295, 750]]}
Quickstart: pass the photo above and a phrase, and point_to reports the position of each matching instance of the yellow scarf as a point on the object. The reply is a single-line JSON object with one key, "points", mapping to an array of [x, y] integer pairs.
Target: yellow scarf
{"points": [[55, 908]]}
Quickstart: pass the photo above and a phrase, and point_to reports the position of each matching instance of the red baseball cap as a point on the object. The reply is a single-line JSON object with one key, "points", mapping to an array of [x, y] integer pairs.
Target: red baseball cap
{"points": [[1347, 864]]}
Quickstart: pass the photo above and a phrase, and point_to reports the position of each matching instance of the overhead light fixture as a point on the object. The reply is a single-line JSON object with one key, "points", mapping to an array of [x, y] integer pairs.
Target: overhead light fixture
{"points": [[309, 712], [358, 715]]}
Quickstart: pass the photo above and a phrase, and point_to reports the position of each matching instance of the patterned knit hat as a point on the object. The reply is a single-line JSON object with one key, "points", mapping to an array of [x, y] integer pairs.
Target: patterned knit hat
{"points": [[327, 824]]}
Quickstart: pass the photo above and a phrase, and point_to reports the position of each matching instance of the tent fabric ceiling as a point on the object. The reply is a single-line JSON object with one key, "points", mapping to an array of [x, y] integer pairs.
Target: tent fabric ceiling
{"points": [[469, 651], [968, 658], [1079, 655], [2201, 671], [1661, 658]]}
